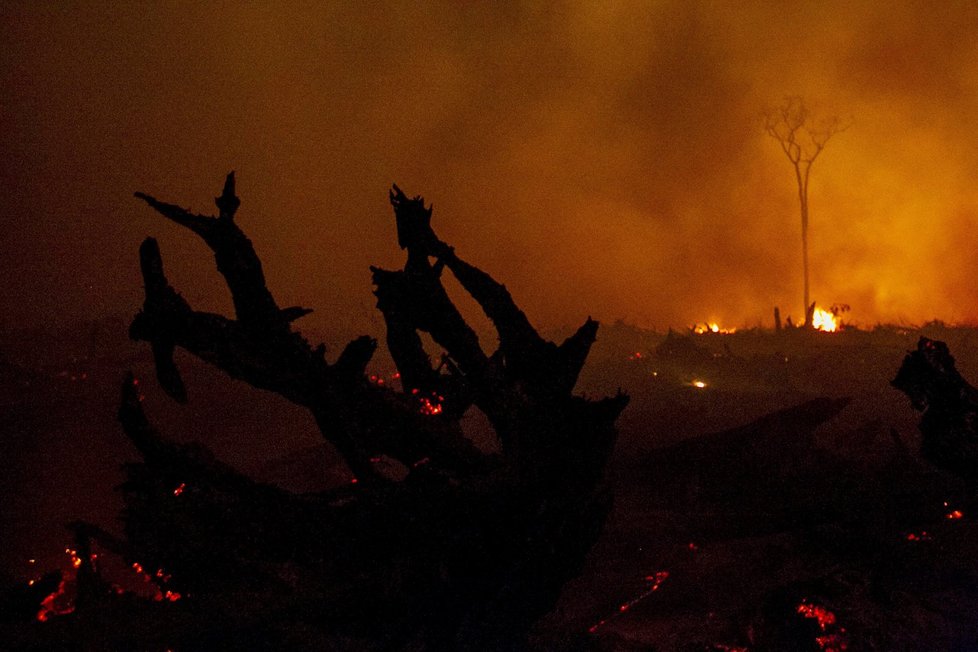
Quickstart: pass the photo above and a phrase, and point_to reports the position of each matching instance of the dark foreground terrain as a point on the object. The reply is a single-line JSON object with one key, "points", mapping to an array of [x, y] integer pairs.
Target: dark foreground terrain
{"points": [[769, 489]]}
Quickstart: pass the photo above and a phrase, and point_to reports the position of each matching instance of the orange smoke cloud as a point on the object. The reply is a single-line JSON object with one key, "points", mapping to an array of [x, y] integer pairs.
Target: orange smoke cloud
{"points": [[602, 159]]}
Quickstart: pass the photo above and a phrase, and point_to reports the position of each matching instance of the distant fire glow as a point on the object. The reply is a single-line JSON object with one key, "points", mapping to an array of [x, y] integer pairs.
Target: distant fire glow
{"points": [[823, 320], [698, 384], [711, 327]]}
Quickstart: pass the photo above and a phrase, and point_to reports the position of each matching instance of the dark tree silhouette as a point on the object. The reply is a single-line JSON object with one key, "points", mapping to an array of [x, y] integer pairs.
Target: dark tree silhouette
{"points": [[949, 407], [460, 550], [802, 138]]}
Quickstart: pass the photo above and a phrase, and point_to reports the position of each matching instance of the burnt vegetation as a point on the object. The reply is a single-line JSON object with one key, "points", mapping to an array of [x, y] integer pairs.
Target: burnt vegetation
{"points": [[949, 403], [433, 544]]}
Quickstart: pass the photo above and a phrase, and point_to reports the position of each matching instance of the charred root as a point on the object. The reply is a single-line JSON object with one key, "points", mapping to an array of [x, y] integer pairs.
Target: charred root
{"points": [[463, 550]]}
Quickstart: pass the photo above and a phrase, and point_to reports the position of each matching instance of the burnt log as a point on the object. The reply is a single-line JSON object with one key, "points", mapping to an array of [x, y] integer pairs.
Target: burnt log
{"points": [[949, 407], [465, 550]]}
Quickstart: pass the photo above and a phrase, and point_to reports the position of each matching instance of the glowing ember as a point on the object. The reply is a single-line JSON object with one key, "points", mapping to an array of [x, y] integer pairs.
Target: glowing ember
{"points": [[635, 356], [171, 596], [830, 641], [139, 570], [923, 536], [821, 614], [158, 578], [61, 601], [952, 515], [654, 582], [699, 384], [55, 604], [179, 489], [823, 320], [381, 380], [429, 407]]}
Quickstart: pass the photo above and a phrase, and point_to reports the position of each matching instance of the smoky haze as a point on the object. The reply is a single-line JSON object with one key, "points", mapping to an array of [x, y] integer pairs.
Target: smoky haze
{"points": [[600, 158]]}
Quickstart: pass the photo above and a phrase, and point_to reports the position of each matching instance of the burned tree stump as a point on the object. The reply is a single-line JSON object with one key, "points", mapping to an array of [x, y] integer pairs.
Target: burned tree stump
{"points": [[466, 551], [949, 425]]}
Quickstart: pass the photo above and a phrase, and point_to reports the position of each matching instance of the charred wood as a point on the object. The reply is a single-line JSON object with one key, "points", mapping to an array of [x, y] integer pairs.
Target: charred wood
{"points": [[467, 550], [949, 403]]}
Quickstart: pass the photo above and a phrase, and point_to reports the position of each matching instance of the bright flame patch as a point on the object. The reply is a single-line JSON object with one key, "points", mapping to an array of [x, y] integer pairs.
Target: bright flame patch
{"points": [[823, 320], [711, 327]]}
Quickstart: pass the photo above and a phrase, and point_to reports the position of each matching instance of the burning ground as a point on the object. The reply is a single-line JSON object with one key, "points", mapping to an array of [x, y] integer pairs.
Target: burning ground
{"points": [[807, 521]]}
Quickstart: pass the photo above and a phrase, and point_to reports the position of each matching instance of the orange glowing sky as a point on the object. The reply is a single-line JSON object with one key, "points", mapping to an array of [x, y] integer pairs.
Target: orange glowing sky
{"points": [[599, 158]]}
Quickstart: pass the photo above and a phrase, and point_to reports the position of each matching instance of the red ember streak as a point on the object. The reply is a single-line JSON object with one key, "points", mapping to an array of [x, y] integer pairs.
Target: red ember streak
{"points": [[655, 581]]}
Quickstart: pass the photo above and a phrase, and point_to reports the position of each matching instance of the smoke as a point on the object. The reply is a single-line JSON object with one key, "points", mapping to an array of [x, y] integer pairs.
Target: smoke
{"points": [[600, 158]]}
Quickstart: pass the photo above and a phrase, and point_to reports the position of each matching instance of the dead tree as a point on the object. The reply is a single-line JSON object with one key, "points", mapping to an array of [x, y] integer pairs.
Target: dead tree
{"points": [[464, 550], [802, 139]]}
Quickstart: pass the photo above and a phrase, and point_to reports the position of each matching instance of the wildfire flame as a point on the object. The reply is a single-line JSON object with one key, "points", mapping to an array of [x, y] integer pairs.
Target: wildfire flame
{"points": [[823, 320], [711, 327]]}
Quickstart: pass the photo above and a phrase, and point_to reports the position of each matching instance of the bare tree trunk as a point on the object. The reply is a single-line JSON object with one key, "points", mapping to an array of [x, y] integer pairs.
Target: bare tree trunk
{"points": [[804, 255], [801, 175]]}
